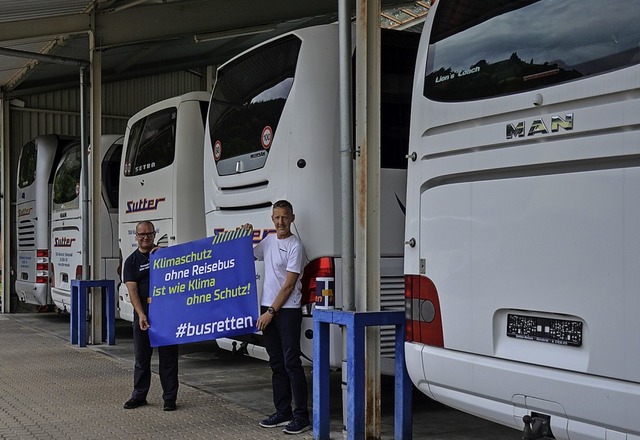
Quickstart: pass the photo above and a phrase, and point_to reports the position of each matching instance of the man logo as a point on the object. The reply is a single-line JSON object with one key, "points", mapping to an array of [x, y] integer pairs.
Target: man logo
{"points": [[538, 126]]}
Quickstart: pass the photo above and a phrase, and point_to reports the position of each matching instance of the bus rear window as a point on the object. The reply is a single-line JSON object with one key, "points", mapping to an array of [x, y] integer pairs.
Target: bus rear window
{"points": [[497, 47], [27, 165], [152, 142], [247, 103], [66, 183]]}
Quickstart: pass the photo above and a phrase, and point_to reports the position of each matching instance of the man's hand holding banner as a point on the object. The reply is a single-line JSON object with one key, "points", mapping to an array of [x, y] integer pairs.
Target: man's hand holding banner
{"points": [[203, 290]]}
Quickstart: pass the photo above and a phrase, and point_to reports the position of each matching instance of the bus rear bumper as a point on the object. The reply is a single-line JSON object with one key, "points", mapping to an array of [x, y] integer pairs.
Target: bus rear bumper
{"points": [[33, 293], [61, 298], [124, 309], [581, 406]]}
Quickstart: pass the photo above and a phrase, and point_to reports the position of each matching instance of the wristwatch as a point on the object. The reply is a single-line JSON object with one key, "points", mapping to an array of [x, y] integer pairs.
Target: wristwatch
{"points": [[271, 310]]}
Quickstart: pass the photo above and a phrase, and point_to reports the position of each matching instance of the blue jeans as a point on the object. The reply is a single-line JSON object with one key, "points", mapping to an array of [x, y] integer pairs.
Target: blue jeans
{"points": [[282, 341]]}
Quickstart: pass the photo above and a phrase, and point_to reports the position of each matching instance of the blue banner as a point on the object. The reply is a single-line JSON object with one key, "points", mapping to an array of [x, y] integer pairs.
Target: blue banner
{"points": [[203, 290]]}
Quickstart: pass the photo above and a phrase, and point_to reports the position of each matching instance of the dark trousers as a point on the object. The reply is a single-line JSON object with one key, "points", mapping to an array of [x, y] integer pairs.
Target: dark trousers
{"points": [[168, 366], [282, 341]]}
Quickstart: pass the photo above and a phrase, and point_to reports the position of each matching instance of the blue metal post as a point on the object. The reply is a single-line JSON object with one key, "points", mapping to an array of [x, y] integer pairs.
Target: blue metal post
{"points": [[356, 323], [73, 321], [403, 392], [355, 379], [78, 321], [321, 380]]}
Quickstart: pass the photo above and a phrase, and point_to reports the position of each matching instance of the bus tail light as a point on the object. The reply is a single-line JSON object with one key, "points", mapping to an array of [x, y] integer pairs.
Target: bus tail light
{"points": [[79, 272], [320, 267], [422, 309], [42, 266]]}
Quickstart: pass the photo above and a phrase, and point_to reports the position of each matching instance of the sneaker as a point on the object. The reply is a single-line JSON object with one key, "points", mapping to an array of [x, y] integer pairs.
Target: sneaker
{"points": [[134, 403], [169, 405], [275, 420], [297, 426]]}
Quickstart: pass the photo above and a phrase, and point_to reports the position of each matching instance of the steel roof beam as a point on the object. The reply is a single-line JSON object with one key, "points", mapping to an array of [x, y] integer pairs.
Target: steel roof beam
{"points": [[45, 27]]}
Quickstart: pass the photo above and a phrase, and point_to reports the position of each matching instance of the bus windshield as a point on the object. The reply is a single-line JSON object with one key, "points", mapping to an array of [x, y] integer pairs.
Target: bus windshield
{"points": [[484, 49], [110, 176], [27, 167], [247, 103], [66, 183], [152, 142]]}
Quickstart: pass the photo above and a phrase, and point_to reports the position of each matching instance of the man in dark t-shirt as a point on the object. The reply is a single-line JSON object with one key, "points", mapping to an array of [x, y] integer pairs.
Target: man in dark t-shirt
{"points": [[135, 275]]}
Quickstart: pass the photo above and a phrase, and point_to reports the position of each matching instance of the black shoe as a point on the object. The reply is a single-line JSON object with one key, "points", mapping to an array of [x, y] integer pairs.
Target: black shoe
{"points": [[297, 426], [134, 403], [169, 405], [275, 420]]}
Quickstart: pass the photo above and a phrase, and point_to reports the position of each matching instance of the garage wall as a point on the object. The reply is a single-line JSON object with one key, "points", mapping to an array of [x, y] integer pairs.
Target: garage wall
{"points": [[58, 111]]}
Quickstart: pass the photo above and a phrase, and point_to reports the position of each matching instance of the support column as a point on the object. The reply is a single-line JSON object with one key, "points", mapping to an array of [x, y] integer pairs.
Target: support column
{"points": [[346, 178], [95, 115], [5, 209], [367, 215]]}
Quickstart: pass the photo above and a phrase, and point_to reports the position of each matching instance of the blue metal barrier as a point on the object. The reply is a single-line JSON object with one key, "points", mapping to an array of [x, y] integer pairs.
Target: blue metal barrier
{"points": [[355, 323], [78, 324]]}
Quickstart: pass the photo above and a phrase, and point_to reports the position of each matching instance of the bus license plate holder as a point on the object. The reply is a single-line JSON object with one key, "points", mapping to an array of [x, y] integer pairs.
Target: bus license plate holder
{"points": [[551, 330]]}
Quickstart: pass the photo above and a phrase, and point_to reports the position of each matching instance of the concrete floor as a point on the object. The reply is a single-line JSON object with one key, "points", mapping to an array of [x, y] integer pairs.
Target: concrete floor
{"points": [[246, 382]]}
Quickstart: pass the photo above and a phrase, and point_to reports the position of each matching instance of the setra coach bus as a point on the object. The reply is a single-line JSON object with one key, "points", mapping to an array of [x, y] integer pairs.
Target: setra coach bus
{"points": [[161, 176]]}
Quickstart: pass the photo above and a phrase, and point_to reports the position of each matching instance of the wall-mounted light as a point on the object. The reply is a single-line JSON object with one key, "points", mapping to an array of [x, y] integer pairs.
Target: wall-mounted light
{"points": [[17, 103]]}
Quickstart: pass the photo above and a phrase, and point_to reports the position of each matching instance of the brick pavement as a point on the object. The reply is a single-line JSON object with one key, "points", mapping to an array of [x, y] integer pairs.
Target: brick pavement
{"points": [[52, 390]]}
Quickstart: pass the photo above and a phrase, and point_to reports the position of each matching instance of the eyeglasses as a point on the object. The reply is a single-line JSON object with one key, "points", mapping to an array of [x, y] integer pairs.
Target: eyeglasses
{"points": [[145, 234]]}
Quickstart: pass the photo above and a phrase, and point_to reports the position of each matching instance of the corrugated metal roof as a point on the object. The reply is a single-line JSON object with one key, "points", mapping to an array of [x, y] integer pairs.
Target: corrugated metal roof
{"points": [[13, 69], [142, 37], [11, 10]]}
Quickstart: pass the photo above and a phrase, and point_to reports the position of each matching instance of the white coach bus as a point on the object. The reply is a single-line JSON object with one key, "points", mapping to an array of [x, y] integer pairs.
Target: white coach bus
{"points": [[36, 166], [523, 205], [161, 176], [66, 219], [273, 133]]}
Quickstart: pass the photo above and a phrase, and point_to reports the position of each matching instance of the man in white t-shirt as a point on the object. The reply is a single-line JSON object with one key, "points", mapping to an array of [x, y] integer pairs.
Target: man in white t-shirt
{"points": [[281, 320]]}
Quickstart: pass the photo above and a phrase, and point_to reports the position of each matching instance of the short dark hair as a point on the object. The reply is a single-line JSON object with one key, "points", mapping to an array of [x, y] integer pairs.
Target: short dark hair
{"points": [[283, 204], [145, 222]]}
